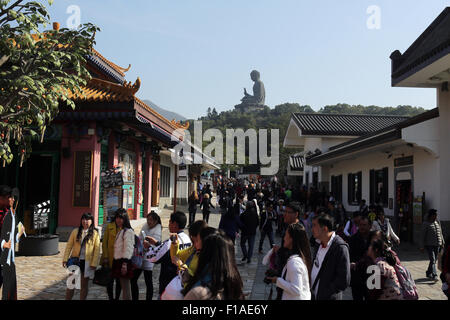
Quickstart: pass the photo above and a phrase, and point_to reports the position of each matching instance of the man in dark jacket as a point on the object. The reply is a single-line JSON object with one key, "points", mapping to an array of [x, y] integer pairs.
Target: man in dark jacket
{"points": [[358, 246], [330, 274], [268, 217], [250, 221], [5, 196], [10, 236]]}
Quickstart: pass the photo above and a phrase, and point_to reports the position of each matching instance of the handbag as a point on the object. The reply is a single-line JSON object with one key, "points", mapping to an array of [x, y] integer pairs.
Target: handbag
{"points": [[74, 261], [102, 276]]}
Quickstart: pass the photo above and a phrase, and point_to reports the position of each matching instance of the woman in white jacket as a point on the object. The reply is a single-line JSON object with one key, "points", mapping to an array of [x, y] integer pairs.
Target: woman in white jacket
{"points": [[123, 252], [296, 275], [151, 229]]}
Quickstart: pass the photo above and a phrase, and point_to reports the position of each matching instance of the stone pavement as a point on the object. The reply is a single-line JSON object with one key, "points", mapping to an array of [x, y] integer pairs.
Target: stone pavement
{"points": [[44, 278]]}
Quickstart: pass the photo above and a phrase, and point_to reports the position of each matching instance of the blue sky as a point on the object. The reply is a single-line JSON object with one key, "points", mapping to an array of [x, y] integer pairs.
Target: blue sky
{"points": [[191, 55]]}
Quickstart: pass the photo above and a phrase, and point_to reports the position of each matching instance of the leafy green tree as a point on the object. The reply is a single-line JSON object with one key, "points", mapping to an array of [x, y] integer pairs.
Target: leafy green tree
{"points": [[38, 71]]}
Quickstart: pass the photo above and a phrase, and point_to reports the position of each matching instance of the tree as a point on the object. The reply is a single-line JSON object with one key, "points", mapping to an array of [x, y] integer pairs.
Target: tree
{"points": [[214, 113], [208, 113], [38, 71]]}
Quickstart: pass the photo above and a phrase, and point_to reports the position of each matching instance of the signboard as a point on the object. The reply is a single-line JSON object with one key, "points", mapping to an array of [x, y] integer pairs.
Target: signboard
{"points": [[405, 161], [40, 215], [139, 186], [182, 170], [82, 178]]}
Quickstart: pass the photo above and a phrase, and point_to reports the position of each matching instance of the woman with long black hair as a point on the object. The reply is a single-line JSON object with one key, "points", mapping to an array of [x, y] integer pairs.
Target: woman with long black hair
{"points": [[123, 252], [152, 229], [83, 248], [296, 275], [217, 276]]}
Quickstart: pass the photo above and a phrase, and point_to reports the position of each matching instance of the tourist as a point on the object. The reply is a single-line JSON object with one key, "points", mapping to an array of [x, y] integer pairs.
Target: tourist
{"points": [[122, 268], [295, 279], [230, 222], [249, 224], [153, 228], [193, 202], [383, 224], [372, 213], [109, 238], [280, 213], [385, 261], [358, 246], [83, 247], [363, 208], [5, 198], [431, 239], [161, 252], [10, 236], [330, 274], [206, 205], [351, 227], [217, 276], [268, 217]]}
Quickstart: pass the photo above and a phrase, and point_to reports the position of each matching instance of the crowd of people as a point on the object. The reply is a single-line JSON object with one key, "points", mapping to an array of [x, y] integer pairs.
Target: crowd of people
{"points": [[323, 249]]}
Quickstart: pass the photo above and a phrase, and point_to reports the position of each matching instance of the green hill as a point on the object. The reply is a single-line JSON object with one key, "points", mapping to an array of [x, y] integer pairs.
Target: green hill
{"points": [[279, 118]]}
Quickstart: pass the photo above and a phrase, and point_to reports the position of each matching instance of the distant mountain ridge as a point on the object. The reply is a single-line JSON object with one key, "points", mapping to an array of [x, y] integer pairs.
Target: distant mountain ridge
{"points": [[165, 113]]}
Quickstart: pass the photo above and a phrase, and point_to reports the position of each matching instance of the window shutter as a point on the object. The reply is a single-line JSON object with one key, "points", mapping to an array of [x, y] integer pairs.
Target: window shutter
{"points": [[350, 188], [385, 186], [339, 187], [359, 191], [372, 186]]}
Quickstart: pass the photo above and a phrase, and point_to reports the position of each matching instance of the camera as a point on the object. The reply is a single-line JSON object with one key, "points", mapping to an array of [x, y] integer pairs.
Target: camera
{"points": [[173, 238], [270, 273]]}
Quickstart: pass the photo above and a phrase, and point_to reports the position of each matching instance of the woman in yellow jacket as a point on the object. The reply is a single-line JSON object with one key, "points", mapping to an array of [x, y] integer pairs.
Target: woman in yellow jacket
{"points": [[84, 244], [187, 259], [109, 238]]}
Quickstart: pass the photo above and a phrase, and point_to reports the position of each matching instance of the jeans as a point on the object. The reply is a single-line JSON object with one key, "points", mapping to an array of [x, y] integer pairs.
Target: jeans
{"points": [[432, 255], [148, 283], [192, 216], [110, 289], [251, 243], [206, 216], [265, 233]]}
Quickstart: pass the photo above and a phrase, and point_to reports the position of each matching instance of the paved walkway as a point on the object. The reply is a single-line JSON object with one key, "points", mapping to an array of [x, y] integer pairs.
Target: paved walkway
{"points": [[44, 278]]}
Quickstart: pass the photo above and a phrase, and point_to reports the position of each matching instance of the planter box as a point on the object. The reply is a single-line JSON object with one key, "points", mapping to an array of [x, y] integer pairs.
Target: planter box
{"points": [[45, 245]]}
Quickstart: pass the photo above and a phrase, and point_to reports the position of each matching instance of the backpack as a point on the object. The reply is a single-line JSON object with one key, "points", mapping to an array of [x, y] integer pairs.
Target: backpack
{"points": [[407, 284], [138, 253]]}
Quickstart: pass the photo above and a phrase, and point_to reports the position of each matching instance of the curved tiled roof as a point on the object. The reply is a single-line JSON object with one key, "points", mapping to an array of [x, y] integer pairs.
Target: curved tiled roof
{"points": [[98, 90], [433, 41], [343, 124], [118, 69]]}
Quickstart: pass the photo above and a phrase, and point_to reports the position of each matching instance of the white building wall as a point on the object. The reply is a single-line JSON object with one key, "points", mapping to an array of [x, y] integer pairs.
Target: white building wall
{"points": [[364, 164], [426, 175]]}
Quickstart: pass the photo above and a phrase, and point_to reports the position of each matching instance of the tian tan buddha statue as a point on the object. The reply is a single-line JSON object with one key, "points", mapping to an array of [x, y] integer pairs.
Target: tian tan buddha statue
{"points": [[259, 93]]}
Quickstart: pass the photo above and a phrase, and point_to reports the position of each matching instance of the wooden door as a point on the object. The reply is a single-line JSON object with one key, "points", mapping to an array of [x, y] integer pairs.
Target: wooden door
{"points": [[156, 175]]}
